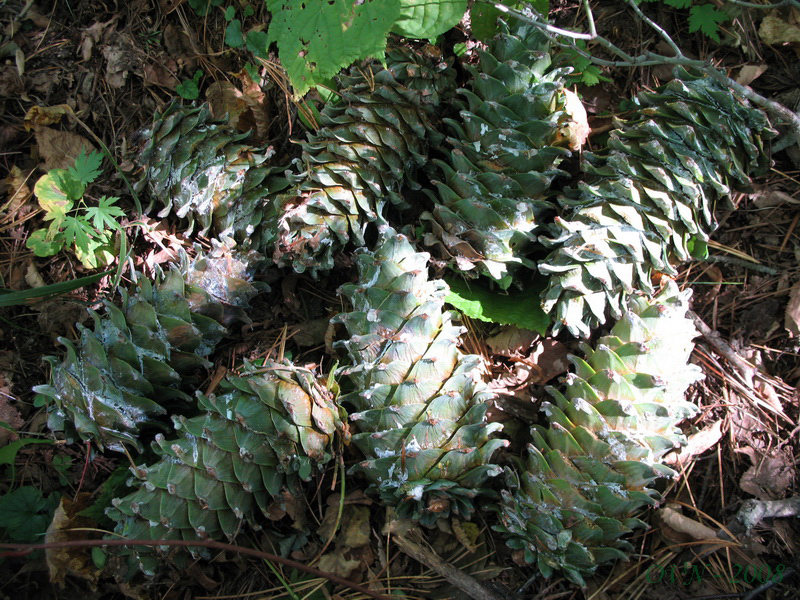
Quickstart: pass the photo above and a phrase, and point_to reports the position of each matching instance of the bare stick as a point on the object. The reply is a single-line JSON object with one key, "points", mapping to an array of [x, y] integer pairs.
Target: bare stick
{"points": [[466, 583]]}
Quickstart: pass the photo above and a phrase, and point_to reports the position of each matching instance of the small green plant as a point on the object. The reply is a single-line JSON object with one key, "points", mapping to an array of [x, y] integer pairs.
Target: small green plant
{"points": [[190, 89], [86, 230], [25, 514], [704, 17]]}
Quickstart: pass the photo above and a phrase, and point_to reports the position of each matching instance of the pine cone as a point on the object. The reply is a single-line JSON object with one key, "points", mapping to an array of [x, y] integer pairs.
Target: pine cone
{"points": [[420, 406], [370, 144], [134, 361], [200, 170], [511, 135], [261, 435], [650, 198], [572, 498]]}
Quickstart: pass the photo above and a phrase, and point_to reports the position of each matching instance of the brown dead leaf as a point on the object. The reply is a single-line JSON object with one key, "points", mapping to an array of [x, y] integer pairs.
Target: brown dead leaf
{"points": [[791, 319], [226, 101], [698, 443], [769, 477], [60, 148], [767, 198], [11, 84], [355, 527], [41, 116], [578, 128], [710, 273], [258, 117], [336, 563], [8, 412], [120, 59], [511, 341], [775, 31], [16, 189], [311, 333], [74, 561], [161, 75], [91, 36], [749, 73], [682, 524], [551, 358]]}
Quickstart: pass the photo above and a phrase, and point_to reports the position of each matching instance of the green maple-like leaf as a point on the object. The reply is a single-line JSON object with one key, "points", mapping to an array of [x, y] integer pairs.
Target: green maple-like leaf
{"points": [[25, 514], [706, 19], [87, 167], [428, 18], [77, 231], [317, 38], [104, 215]]}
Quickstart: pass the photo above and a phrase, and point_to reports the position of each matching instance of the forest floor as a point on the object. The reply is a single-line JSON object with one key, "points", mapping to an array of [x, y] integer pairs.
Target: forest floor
{"points": [[115, 65]]}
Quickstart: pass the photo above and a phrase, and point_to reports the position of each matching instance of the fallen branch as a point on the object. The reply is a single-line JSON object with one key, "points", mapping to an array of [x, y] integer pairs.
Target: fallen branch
{"points": [[466, 583]]}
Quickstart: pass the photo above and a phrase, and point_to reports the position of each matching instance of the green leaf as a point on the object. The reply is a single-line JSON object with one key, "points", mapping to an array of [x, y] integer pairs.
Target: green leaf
{"points": [[51, 195], [483, 16], [316, 38], [428, 18], [257, 42], [77, 232], [249, 11], [87, 168], [41, 245], [233, 34], [230, 12], [104, 215], [201, 7], [98, 252], [706, 19], [522, 309], [190, 89], [25, 514], [14, 298], [678, 3], [8, 453]]}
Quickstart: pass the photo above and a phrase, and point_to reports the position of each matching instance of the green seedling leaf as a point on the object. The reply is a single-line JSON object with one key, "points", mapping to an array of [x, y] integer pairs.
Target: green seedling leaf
{"points": [[426, 19], [87, 168], [678, 3], [706, 19], [77, 232], [42, 245], [317, 38], [98, 252], [14, 298], [190, 89], [516, 308], [230, 12], [249, 11], [105, 214], [25, 514], [233, 34], [201, 7]]}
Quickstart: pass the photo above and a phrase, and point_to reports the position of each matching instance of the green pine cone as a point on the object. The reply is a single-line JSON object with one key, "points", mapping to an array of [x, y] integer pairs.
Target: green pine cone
{"points": [[117, 378], [650, 199], [418, 403], [261, 434], [502, 159], [370, 144], [200, 170], [572, 499]]}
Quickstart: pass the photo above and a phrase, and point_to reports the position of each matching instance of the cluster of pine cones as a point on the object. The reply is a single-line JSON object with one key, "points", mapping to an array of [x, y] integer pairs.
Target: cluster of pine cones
{"points": [[412, 403]]}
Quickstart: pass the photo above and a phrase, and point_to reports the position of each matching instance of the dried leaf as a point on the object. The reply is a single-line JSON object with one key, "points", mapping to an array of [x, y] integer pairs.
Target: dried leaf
{"points": [[749, 73], [41, 116], [335, 562], [769, 477], [551, 358], [792, 315], [775, 31], [226, 101], [8, 413], [698, 443], [60, 148], [511, 341], [15, 186], [160, 75], [578, 128], [683, 524], [75, 561], [355, 527]]}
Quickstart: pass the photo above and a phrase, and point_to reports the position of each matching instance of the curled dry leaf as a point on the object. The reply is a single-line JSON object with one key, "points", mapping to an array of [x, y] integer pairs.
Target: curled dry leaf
{"points": [[775, 31], [67, 525], [42, 116], [682, 524], [511, 341], [698, 443], [749, 73], [160, 75], [578, 129], [8, 412]]}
